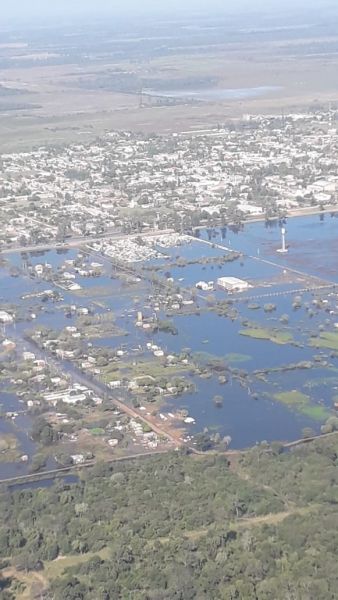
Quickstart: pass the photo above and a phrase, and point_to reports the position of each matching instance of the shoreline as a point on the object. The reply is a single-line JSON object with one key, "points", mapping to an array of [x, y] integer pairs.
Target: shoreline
{"points": [[298, 212], [290, 214], [78, 242]]}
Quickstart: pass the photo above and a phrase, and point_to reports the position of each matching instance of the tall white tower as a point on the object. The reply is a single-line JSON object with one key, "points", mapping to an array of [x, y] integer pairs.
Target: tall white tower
{"points": [[283, 249]]}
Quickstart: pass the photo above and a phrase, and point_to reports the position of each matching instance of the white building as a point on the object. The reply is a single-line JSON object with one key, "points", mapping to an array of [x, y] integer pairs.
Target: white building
{"points": [[233, 284], [5, 317], [205, 286], [28, 356], [115, 384]]}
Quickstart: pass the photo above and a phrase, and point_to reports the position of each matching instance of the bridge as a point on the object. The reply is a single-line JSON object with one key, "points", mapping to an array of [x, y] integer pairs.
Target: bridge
{"points": [[59, 471], [296, 291]]}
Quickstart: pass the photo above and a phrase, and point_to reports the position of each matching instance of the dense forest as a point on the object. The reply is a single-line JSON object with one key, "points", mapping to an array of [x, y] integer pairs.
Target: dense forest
{"points": [[179, 527]]}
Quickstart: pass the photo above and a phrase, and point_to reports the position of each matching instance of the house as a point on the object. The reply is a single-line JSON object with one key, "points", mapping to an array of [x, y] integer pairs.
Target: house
{"points": [[115, 384], [28, 356], [5, 317]]}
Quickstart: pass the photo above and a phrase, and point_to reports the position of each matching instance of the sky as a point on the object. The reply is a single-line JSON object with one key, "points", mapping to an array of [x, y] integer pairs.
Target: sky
{"points": [[52, 8]]}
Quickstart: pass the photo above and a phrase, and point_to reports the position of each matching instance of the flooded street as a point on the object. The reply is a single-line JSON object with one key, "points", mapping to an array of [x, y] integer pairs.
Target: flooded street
{"points": [[265, 351]]}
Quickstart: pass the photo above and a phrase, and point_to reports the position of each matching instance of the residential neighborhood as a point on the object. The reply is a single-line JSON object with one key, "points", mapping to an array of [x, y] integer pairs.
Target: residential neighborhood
{"points": [[260, 166]]}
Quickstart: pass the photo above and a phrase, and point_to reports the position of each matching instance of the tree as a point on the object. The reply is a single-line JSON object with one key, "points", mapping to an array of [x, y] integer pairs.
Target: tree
{"points": [[69, 587], [27, 561], [64, 459], [218, 401], [38, 462], [5, 582], [203, 441], [43, 432], [238, 507], [276, 448], [308, 432]]}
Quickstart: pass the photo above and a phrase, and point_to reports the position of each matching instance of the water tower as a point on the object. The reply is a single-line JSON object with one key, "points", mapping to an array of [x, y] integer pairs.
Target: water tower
{"points": [[283, 249]]}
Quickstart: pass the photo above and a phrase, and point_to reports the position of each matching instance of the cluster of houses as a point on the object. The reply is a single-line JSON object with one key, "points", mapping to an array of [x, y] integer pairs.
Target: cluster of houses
{"points": [[6, 318], [139, 249], [147, 439], [131, 182]]}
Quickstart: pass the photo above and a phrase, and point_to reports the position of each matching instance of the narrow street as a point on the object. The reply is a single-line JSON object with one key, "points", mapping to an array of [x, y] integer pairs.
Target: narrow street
{"points": [[77, 376]]}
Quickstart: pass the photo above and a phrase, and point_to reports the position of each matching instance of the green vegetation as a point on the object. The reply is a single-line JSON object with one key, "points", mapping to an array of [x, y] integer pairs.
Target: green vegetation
{"points": [[301, 403], [293, 398], [234, 357], [9, 451], [98, 431], [43, 433], [166, 326], [326, 339], [266, 529], [318, 413], [269, 307], [101, 326], [331, 425], [185, 262], [143, 368], [225, 308], [274, 335], [56, 568], [218, 400], [254, 306]]}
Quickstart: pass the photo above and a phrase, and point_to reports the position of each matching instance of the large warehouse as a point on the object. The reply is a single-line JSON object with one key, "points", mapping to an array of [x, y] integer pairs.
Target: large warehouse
{"points": [[233, 284]]}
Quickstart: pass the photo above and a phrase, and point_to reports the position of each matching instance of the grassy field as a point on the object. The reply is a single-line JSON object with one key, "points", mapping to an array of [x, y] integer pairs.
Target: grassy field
{"points": [[326, 339], [103, 327], [153, 369], [9, 451], [261, 333], [56, 568], [33, 584], [234, 357], [75, 99], [302, 403]]}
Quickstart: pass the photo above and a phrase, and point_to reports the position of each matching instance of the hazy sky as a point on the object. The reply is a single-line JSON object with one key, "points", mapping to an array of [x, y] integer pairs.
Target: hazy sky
{"points": [[44, 8]]}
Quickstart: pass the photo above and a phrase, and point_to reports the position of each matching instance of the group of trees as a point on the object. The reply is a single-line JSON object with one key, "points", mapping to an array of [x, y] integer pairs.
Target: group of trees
{"points": [[183, 527], [43, 432]]}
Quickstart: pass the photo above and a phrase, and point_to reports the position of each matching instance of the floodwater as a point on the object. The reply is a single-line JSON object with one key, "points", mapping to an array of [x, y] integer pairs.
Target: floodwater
{"points": [[216, 94], [250, 412], [19, 427], [312, 242]]}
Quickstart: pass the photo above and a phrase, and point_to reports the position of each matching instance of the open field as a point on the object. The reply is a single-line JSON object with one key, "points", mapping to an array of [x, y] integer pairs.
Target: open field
{"points": [[326, 339], [261, 333], [60, 88], [301, 402], [23, 131], [34, 582]]}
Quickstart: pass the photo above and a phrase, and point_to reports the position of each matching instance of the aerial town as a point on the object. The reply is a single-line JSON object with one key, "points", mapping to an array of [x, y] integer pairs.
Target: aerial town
{"points": [[126, 183], [168, 300], [115, 255]]}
